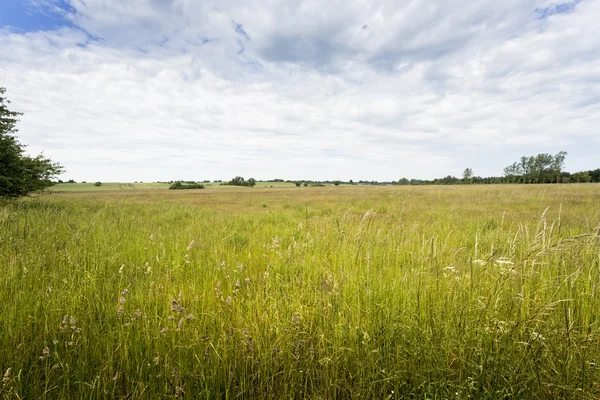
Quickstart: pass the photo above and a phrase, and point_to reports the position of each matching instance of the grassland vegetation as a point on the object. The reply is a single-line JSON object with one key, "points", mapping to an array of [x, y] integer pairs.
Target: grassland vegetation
{"points": [[348, 292]]}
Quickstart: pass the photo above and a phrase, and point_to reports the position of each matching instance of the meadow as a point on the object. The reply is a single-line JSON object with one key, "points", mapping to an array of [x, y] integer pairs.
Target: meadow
{"points": [[112, 186], [434, 292]]}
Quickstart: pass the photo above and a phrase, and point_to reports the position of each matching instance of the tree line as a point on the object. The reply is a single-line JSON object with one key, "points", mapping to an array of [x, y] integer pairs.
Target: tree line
{"points": [[540, 169]]}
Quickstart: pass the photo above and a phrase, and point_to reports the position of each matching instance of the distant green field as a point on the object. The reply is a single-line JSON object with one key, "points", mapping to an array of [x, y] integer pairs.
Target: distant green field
{"points": [[89, 186], [64, 187]]}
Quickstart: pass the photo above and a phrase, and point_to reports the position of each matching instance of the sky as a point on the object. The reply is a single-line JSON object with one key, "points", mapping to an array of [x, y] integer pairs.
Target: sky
{"points": [[158, 90]]}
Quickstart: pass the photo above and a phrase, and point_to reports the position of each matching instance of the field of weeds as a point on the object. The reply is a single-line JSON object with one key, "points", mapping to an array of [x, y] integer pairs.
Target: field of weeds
{"points": [[336, 292]]}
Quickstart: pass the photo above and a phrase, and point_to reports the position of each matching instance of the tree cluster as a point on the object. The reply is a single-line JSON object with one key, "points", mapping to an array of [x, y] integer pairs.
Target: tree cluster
{"points": [[543, 168], [181, 185], [240, 181]]}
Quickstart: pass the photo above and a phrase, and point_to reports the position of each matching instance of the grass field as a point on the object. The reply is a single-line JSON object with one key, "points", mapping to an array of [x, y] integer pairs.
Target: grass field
{"points": [[89, 186], [318, 293], [72, 187]]}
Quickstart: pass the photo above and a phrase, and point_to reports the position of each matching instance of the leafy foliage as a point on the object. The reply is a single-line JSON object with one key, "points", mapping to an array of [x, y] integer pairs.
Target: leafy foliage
{"points": [[543, 168], [181, 185], [467, 174], [20, 175], [240, 181]]}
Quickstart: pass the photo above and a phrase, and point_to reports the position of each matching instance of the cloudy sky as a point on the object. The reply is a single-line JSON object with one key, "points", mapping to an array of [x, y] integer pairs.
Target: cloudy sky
{"points": [[185, 89]]}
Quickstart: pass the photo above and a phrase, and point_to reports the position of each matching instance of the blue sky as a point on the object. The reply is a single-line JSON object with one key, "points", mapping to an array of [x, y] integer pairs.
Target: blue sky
{"points": [[26, 16], [377, 90]]}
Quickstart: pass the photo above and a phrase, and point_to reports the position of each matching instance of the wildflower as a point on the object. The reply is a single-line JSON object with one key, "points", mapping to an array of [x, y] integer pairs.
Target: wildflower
{"points": [[64, 325], [190, 317], [122, 269], [175, 307], [164, 330], [537, 336], [45, 353], [137, 313], [180, 324], [171, 318], [6, 377], [122, 300], [218, 292], [116, 376], [125, 292], [296, 319], [228, 300]]}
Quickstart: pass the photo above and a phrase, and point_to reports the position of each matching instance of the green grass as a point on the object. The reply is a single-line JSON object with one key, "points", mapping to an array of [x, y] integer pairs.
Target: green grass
{"points": [[349, 292], [89, 186]]}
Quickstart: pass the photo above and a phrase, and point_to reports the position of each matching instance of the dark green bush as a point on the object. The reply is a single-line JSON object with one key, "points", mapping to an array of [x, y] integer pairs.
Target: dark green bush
{"points": [[179, 185]]}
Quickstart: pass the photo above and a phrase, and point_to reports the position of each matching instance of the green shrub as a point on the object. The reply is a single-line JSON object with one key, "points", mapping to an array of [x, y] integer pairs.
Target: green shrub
{"points": [[179, 185]]}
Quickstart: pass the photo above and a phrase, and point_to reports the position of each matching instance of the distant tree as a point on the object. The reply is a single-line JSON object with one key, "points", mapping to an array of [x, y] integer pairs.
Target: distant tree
{"points": [[336, 183], [403, 182], [595, 175], [558, 164], [467, 175], [305, 183], [581, 177], [251, 182], [20, 175], [98, 184], [298, 184]]}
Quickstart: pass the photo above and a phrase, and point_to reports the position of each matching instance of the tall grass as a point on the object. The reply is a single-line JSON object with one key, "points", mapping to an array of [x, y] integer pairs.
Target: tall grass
{"points": [[455, 292]]}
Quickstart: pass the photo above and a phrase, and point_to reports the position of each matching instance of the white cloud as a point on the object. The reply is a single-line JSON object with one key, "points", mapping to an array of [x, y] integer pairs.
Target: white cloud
{"points": [[361, 90]]}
